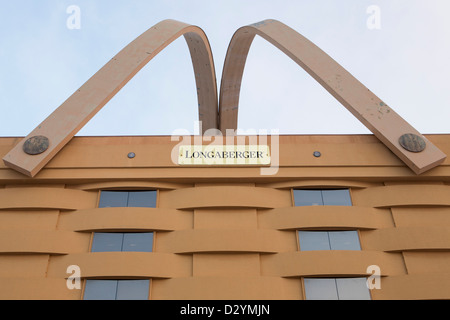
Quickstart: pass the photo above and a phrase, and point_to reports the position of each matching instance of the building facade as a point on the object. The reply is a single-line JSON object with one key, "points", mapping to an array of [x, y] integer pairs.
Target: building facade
{"points": [[226, 232], [288, 217]]}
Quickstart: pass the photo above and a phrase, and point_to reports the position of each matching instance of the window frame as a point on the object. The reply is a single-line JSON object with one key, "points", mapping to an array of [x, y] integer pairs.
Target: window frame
{"points": [[128, 191], [357, 231], [85, 284], [369, 291], [321, 189], [123, 239]]}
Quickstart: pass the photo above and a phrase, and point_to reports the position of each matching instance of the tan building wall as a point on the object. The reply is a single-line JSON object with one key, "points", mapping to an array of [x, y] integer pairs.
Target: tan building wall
{"points": [[225, 232]]}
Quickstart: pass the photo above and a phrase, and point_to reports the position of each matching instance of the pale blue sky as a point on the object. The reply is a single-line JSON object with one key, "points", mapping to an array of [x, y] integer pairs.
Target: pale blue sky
{"points": [[405, 63]]}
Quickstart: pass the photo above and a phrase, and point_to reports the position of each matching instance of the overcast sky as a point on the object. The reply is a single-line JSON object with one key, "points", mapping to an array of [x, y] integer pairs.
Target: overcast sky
{"points": [[405, 62]]}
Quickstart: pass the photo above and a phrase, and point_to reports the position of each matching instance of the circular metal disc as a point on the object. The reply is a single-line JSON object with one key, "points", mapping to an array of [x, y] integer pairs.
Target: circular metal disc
{"points": [[412, 142], [36, 145]]}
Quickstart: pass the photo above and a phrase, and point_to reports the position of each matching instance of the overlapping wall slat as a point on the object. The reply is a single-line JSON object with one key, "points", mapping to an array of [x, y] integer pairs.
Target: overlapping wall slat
{"points": [[314, 218], [317, 263], [123, 265], [425, 286], [46, 198], [404, 195], [138, 219], [225, 196], [42, 241]]}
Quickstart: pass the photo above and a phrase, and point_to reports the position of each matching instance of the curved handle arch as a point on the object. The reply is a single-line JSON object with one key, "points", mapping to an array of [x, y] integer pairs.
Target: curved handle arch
{"points": [[370, 110], [79, 108]]}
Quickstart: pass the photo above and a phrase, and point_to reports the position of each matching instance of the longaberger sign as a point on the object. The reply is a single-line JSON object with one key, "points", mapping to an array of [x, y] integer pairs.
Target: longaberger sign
{"points": [[224, 155]]}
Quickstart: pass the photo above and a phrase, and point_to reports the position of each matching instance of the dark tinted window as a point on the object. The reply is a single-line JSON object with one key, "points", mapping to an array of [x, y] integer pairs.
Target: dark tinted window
{"points": [[328, 240], [107, 242], [336, 289], [127, 199], [100, 290], [142, 199], [132, 289], [340, 197], [138, 242], [344, 240], [117, 290], [314, 240], [352, 289], [320, 289], [114, 242], [113, 199], [336, 197], [308, 198]]}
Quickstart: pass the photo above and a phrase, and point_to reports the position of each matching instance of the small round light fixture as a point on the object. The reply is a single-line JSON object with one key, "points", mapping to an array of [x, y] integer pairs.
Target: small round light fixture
{"points": [[131, 155], [317, 154]]}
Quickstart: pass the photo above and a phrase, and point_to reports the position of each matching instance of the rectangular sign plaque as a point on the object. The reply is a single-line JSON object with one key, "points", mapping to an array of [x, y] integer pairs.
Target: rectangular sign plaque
{"points": [[224, 155]]}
